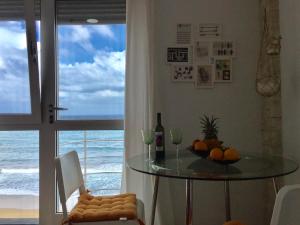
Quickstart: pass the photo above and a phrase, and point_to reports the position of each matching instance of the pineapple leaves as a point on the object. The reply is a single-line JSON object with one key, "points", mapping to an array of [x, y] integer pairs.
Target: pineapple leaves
{"points": [[209, 127]]}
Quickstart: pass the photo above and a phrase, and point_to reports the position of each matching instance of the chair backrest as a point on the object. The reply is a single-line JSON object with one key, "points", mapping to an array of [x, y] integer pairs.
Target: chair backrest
{"points": [[287, 206], [69, 177]]}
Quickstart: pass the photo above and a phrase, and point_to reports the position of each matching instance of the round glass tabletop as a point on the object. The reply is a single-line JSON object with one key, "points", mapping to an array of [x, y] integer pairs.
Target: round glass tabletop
{"points": [[190, 166]]}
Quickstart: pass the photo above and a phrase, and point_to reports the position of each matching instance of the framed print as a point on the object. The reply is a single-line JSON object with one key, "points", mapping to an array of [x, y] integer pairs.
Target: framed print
{"points": [[179, 54], [204, 77], [224, 49], [182, 73], [223, 70], [184, 33], [202, 52], [210, 30]]}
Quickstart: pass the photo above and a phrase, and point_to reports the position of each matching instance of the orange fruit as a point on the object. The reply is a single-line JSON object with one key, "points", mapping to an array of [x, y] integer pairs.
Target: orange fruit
{"points": [[213, 143], [231, 154], [194, 142], [200, 146], [216, 154], [233, 222]]}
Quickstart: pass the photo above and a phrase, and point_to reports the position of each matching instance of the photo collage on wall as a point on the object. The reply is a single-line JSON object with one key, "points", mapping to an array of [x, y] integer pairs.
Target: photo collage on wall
{"points": [[201, 55]]}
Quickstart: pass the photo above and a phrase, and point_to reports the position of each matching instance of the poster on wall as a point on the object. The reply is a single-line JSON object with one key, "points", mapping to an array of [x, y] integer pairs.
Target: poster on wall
{"points": [[223, 70], [224, 48], [210, 30], [182, 73], [179, 55], [184, 33], [204, 77], [202, 52]]}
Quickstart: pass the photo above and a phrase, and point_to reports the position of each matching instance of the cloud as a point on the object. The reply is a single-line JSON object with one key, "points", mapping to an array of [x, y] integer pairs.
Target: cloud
{"points": [[82, 34], [14, 79], [79, 33], [13, 37], [98, 87], [91, 87], [14, 92], [104, 30], [13, 88], [105, 73], [2, 65]]}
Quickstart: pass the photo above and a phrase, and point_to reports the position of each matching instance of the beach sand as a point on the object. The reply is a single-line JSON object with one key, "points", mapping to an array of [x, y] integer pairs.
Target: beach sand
{"points": [[19, 206], [19, 213]]}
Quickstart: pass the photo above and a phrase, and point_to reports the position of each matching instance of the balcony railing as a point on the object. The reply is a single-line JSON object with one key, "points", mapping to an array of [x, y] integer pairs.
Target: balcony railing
{"points": [[20, 150], [84, 158]]}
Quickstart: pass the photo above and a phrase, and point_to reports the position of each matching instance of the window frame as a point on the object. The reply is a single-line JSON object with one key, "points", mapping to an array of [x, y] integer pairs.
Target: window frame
{"points": [[40, 101], [49, 131], [33, 72]]}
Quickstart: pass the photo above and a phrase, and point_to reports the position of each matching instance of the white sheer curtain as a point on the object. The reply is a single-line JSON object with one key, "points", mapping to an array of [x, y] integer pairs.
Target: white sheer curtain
{"points": [[138, 94]]}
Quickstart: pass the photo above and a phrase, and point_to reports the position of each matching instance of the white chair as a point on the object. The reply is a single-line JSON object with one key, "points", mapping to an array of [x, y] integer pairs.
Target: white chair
{"points": [[70, 179], [287, 206]]}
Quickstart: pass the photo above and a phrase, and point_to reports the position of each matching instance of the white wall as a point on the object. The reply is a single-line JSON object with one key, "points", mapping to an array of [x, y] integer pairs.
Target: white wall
{"points": [[237, 104], [290, 65]]}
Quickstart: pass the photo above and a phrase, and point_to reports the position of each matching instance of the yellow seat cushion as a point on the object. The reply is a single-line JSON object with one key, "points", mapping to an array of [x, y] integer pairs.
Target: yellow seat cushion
{"points": [[102, 208]]}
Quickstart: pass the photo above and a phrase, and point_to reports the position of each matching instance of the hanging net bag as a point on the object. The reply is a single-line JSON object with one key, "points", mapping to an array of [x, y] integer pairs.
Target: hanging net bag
{"points": [[268, 72]]}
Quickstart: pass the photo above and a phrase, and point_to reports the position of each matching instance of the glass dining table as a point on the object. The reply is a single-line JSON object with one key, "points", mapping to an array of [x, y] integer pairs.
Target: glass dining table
{"points": [[191, 167]]}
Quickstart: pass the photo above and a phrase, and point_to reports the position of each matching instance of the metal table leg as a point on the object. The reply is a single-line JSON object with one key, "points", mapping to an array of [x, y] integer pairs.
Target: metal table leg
{"points": [[189, 202], [154, 199], [227, 200], [275, 185]]}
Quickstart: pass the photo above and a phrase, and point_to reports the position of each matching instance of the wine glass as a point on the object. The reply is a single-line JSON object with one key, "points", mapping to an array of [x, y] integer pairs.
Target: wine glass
{"points": [[176, 138], [148, 138]]}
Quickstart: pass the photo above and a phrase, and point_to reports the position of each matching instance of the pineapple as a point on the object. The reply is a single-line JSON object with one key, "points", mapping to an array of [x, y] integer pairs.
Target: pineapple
{"points": [[210, 131], [209, 126]]}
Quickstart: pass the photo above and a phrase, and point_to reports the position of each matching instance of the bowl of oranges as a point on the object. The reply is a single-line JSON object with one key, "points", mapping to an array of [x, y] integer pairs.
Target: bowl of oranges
{"points": [[211, 147], [202, 148], [218, 154], [224, 155]]}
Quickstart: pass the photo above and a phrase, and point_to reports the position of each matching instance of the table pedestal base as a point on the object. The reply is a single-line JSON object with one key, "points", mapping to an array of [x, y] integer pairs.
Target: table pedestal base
{"points": [[227, 196], [189, 202], [154, 199], [227, 200], [189, 199]]}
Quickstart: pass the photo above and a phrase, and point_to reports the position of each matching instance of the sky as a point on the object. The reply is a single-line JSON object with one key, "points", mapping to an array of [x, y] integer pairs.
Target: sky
{"points": [[91, 69]]}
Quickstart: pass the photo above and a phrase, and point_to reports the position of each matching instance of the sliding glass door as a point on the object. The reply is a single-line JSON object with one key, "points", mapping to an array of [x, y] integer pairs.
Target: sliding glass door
{"points": [[76, 104], [83, 95]]}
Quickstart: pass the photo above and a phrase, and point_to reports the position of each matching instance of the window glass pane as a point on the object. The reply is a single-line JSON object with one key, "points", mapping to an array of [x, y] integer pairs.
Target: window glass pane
{"points": [[14, 75], [19, 177], [101, 157], [91, 62]]}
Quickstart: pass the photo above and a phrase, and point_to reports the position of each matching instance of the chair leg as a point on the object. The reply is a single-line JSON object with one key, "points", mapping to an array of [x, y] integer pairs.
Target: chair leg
{"points": [[140, 210]]}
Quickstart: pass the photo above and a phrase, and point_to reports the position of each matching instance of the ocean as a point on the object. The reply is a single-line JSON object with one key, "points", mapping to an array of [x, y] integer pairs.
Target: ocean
{"points": [[100, 153]]}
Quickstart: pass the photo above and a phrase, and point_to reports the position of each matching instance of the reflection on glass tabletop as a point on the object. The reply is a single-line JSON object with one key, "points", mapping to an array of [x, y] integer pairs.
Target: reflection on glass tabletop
{"points": [[190, 166]]}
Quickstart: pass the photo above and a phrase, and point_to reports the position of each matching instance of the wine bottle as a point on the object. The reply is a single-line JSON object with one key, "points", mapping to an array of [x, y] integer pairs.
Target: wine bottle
{"points": [[159, 139]]}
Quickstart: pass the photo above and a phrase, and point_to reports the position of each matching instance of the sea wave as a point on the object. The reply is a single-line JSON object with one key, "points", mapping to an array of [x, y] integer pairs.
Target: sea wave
{"points": [[19, 160], [19, 171], [105, 170], [13, 191], [109, 168]]}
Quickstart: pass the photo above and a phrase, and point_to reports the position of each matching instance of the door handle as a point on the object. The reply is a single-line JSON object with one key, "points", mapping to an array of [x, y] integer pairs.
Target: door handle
{"points": [[52, 108]]}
